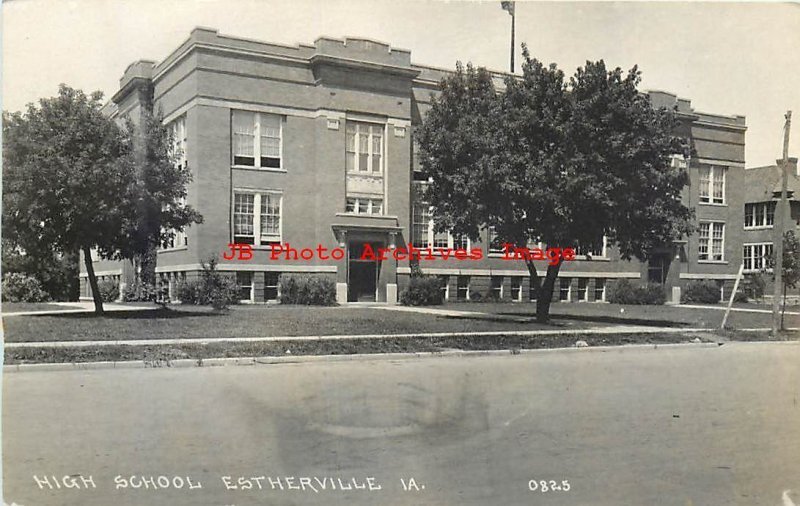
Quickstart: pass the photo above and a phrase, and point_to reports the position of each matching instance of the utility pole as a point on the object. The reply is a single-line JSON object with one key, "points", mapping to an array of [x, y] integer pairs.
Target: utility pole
{"points": [[509, 6], [780, 219]]}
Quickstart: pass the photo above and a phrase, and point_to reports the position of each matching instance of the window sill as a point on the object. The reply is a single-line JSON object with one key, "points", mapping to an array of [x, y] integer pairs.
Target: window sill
{"points": [[715, 204], [168, 250], [760, 227], [720, 262], [259, 169], [364, 173], [368, 215]]}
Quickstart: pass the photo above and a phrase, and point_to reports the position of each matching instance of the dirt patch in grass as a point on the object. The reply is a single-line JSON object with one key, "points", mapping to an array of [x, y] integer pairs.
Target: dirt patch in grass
{"points": [[161, 355]]}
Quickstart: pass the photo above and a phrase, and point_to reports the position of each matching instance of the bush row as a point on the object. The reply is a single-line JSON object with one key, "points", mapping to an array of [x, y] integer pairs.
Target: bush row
{"points": [[625, 292]]}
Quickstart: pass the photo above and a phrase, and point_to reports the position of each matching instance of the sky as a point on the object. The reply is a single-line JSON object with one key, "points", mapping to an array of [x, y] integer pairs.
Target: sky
{"points": [[727, 58]]}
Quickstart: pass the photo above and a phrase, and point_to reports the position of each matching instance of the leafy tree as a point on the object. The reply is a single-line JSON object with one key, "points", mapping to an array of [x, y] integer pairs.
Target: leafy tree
{"points": [[791, 265], [559, 162], [156, 195], [65, 174]]}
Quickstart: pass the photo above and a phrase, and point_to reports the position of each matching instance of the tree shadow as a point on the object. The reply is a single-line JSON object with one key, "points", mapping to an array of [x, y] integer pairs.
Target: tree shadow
{"points": [[610, 319], [144, 314]]}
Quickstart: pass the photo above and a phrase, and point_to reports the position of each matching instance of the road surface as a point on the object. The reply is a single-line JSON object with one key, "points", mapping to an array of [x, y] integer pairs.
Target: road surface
{"points": [[668, 426]]}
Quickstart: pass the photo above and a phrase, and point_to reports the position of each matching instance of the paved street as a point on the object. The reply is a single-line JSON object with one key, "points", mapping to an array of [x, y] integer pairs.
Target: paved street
{"points": [[671, 426]]}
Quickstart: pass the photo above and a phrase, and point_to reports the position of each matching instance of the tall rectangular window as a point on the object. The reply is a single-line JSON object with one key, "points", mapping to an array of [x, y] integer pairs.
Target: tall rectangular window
{"points": [[444, 281], [462, 288], [257, 217], [496, 287], [421, 226], [245, 282], [364, 147], [256, 139], [565, 289], [600, 289], [516, 288], [179, 140], [711, 241], [271, 280], [583, 293], [712, 184]]}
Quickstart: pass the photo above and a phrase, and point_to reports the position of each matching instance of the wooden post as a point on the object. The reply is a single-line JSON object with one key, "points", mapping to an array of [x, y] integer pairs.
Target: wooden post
{"points": [[780, 219], [733, 295]]}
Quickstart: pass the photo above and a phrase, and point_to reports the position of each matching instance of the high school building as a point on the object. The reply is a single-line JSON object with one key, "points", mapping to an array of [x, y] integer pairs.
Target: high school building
{"points": [[312, 145]]}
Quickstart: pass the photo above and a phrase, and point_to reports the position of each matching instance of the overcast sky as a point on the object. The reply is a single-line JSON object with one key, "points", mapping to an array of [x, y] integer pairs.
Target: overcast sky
{"points": [[728, 58]]}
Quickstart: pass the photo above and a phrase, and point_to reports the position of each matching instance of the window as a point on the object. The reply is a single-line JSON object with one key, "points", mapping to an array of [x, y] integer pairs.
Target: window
{"points": [[712, 241], [712, 184], [444, 282], [263, 228], [496, 287], [495, 245], [256, 139], [516, 288], [364, 150], [421, 226], [271, 280], [361, 205], [462, 288], [245, 282], [600, 289], [759, 214], [756, 256], [597, 249], [583, 293], [423, 235], [564, 289], [178, 130]]}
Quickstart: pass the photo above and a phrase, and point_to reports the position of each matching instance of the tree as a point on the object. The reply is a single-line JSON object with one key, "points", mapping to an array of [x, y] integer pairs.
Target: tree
{"points": [[66, 171], [791, 265], [564, 163], [157, 195]]}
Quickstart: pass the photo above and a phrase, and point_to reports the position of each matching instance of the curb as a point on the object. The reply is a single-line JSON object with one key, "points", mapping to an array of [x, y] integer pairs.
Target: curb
{"points": [[299, 359]]}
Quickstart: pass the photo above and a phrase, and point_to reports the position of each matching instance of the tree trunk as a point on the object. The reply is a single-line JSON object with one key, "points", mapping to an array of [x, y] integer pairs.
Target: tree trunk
{"points": [[98, 299], [546, 293]]}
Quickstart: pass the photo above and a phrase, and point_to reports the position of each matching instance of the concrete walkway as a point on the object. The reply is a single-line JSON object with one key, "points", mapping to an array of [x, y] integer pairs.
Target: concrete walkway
{"points": [[734, 309], [79, 307]]}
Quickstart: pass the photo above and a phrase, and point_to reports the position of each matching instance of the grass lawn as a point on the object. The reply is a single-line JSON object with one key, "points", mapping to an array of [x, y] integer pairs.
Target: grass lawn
{"points": [[14, 307], [161, 355], [248, 321]]}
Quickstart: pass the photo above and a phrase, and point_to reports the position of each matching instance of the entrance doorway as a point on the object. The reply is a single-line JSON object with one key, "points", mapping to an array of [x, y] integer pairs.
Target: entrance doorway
{"points": [[362, 274]]}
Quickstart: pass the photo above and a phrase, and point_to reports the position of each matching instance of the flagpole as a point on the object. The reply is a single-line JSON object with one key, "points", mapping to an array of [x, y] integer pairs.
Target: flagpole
{"points": [[509, 7]]}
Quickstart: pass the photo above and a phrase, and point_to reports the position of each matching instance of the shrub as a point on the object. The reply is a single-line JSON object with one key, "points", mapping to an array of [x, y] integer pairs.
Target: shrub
{"points": [[188, 292], [109, 290], [740, 297], [139, 292], [215, 289], [701, 291], [754, 285], [422, 291], [625, 292], [307, 290], [18, 287]]}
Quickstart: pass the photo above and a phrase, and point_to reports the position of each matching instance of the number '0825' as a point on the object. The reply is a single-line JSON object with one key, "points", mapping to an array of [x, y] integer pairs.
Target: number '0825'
{"points": [[544, 486]]}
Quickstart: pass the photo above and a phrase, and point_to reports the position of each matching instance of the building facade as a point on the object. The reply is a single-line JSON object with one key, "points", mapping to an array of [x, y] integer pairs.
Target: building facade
{"points": [[311, 146]]}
